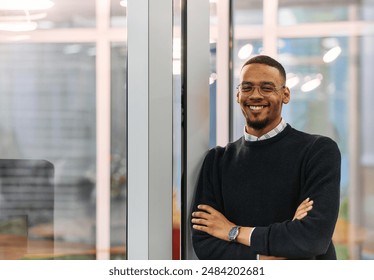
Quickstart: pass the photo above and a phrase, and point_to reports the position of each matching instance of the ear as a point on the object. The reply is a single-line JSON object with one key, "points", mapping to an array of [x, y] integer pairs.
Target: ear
{"points": [[286, 95], [237, 97]]}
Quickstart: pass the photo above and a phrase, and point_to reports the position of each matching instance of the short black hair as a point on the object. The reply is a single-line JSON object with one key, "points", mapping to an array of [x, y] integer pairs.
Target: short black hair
{"points": [[267, 60]]}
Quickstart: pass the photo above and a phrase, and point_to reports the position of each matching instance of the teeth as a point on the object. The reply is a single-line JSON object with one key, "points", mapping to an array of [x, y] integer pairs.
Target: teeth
{"points": [[256, 107]]}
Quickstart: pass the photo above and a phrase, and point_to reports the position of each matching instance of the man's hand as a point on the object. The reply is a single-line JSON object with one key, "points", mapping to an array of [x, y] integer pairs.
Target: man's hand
{"points": [[303, 209], [300, 213], [263, 257], [212, 222], [215, 223]]}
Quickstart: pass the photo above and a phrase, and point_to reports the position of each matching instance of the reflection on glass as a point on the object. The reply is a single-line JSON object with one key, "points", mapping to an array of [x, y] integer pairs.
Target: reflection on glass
{"points": [[48, 110], [292, 12], [70, 14], [177, 130], [247, 12], [25, 15], [22, 15], [48, 113], [118, 151], [319, 104], [118, 10], [366, 10], [366, 157], [296, 12], [26, 206]]}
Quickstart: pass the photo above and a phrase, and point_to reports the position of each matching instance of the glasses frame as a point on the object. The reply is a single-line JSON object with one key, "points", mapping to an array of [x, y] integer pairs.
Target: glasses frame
{"points": [[265, 94]]}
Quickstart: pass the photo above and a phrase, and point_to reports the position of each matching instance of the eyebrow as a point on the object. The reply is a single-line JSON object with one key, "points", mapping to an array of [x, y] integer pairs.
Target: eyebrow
{"points": [[261, 83]]}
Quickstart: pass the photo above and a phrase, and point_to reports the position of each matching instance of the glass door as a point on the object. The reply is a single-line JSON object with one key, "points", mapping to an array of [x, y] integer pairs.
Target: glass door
{"points": [[63, 108]]}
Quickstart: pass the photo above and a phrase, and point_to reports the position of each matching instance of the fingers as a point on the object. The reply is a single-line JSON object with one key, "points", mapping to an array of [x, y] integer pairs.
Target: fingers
{"points": [[263, 257], [303, 209], [206, 213], [206, 208], [305, 206], [200, 214], [201, 228], [201, 219], [211, 221], [300, 216]]}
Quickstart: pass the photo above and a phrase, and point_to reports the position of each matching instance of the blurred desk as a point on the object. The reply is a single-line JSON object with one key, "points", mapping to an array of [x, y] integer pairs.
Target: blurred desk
{"points": [[350, 236], [12, 247]]}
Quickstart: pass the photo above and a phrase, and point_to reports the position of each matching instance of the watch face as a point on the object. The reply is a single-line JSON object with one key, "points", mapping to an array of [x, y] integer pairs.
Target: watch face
{"points": [[233, 233]]}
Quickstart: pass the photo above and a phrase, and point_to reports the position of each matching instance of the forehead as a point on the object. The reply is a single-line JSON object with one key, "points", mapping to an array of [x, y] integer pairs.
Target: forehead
{"points": [[260, 73]]}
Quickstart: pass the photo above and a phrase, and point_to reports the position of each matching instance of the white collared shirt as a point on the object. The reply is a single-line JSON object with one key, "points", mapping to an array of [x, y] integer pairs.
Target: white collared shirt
{"points": [[278, 129]]}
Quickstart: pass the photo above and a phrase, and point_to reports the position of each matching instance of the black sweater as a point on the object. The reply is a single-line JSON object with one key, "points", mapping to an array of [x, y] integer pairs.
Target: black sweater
{"points": [[261, 184]]}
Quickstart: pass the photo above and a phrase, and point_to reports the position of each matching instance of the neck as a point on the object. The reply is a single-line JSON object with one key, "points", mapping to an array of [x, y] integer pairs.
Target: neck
{"points": [[258, 132]]}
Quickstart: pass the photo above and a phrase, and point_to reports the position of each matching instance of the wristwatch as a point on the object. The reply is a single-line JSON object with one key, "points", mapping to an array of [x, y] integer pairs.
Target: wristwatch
{"points": [[233, 233]]}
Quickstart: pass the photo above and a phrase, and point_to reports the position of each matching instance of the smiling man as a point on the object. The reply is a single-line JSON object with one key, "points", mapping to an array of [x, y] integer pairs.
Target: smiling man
{"points": [[253, 197], [261, 95]]}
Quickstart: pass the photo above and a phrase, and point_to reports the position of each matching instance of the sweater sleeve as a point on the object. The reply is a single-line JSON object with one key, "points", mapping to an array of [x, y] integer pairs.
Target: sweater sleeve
{"points": [[311, 236], [208, 192]]}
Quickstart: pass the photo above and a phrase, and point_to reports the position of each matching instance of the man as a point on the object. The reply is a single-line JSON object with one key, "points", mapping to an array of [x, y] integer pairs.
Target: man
{"points": [[248, 192]]}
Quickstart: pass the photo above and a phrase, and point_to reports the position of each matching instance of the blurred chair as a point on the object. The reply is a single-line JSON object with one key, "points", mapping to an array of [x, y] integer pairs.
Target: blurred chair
{"points": [[26, 206]]}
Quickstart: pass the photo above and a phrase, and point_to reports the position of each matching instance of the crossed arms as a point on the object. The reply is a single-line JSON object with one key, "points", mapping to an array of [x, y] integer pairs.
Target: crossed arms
{"points": [[214, 223]]}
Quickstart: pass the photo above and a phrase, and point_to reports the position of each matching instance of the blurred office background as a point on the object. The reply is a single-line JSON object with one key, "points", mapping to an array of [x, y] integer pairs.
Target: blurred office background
{"points": [[63, 101]]}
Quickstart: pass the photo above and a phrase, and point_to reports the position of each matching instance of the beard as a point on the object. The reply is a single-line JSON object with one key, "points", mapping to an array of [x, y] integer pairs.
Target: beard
{"points": [[258, 124]]}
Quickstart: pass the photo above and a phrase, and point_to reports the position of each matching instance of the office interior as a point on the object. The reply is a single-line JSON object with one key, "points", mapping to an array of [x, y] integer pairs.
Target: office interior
{"points": [[108, 106]]}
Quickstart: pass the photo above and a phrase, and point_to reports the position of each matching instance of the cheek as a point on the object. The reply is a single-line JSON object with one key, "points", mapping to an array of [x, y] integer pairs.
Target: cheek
{"points": [[278, 108]]}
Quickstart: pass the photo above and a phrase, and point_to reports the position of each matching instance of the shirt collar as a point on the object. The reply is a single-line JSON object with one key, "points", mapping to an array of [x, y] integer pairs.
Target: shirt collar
{"points": [[278, 129]]}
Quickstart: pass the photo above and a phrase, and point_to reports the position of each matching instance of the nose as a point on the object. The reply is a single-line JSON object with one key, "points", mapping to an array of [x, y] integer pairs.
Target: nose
{"points": [[256, 93]]}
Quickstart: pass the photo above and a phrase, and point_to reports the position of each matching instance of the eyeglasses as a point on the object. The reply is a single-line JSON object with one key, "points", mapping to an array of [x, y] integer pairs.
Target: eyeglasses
{"points": [[247, 89]]}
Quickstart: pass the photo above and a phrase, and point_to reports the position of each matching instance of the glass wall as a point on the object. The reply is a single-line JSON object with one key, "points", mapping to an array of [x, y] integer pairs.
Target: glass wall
{"points": [[118, 168], [54, 79], [326, 48], [366, 141]]}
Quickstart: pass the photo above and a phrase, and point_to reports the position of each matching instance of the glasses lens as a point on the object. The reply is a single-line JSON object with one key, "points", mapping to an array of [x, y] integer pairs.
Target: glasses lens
{"points": [[265, 89], [246, 88]]}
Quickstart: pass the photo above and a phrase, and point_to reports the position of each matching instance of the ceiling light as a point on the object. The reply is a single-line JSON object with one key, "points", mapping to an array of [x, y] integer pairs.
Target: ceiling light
{"points": [[332, 54], [311, 84], [245, 51], [292, 80], [25, 5]]}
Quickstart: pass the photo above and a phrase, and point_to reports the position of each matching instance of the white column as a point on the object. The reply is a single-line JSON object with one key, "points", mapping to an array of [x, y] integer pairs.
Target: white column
{"points": [[160, 129], [223, 72], [195, 75], [103, 136], [270, 39], [137, 130], [149, 224]]}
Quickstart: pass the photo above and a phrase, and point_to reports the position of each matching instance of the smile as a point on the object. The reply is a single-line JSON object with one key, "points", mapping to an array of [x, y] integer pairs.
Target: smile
{"points": [[256, 108]]}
